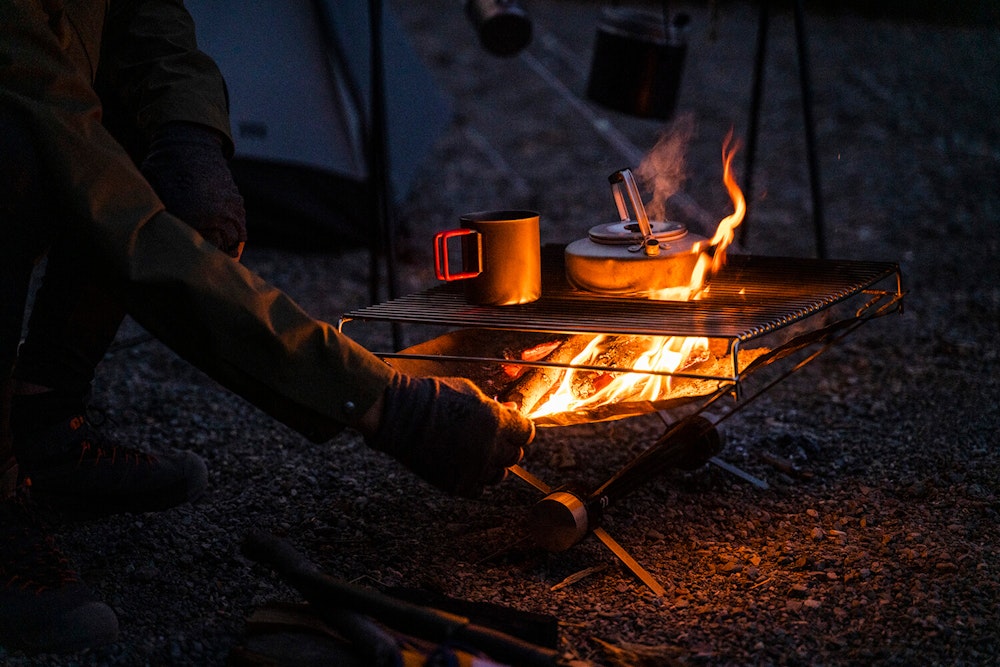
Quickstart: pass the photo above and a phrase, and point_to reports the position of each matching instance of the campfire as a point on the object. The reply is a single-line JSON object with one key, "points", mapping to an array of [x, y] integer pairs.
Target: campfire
{"points": [[642, 317]]}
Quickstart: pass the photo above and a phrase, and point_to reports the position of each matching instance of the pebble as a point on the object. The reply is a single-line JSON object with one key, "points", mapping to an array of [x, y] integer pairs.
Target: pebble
{"points": [[798, 591]]}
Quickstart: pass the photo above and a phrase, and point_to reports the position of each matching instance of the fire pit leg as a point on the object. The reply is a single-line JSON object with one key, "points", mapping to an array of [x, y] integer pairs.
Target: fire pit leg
{"points": [[631, 563], [728, 467], [569, 514], [565, 516]]}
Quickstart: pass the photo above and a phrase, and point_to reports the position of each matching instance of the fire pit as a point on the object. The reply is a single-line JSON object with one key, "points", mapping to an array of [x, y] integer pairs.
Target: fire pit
{"points": [[756, 313]]}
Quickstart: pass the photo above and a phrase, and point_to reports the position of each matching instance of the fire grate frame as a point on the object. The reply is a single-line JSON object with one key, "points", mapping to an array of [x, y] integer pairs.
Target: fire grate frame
{"points": [[752, 297]]}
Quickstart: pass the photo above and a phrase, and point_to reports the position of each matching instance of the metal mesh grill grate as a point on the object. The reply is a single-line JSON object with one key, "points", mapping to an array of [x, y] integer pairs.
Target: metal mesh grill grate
{"points": [[750, 297]]}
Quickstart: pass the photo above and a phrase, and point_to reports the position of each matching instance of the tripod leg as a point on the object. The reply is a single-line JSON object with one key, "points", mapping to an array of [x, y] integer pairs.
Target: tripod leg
{"points": [[810, 126], [756, 93]]}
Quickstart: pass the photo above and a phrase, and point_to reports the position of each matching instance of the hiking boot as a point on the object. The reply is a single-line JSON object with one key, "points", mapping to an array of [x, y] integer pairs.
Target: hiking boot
{"points": [[44, 607], [69, 462]]}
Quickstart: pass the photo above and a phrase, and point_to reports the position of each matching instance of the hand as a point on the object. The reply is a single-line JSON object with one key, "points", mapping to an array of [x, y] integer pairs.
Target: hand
{"points": [[188, 170], [450, 433]]}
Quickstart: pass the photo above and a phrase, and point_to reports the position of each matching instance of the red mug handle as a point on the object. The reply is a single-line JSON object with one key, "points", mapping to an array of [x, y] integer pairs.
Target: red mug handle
{"points": [[441, 254]]}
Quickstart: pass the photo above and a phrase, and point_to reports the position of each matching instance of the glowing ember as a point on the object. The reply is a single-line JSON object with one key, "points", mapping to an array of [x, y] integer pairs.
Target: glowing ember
{"points": [[534, 353], [582, 390]]}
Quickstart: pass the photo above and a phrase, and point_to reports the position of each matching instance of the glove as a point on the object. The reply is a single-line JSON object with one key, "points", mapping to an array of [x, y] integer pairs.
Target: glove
{"points": [[450, 433], [188, 170]]}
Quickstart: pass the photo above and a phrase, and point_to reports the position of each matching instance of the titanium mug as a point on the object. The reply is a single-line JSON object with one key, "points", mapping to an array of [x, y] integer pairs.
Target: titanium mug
{"points": [[501, 257]]}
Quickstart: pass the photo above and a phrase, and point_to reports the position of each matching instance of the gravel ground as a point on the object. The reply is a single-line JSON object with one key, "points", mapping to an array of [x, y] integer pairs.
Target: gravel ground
{"points": [[879, 545]]}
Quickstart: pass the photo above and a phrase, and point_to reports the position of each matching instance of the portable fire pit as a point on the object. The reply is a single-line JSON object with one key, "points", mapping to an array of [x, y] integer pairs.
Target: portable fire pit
{"points": [[756, 314]]}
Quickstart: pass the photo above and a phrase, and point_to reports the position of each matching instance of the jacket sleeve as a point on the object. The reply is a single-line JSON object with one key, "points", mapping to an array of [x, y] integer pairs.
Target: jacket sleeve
{"points": [[152, 71], [211, 310]]}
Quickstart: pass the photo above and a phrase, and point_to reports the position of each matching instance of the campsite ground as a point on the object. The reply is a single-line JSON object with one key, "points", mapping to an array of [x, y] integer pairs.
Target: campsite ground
{"points": [[880, 546]]}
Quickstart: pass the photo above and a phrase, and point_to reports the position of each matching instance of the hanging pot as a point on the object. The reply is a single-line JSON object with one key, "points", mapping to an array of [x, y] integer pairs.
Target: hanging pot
{"points": [[638, 60]]}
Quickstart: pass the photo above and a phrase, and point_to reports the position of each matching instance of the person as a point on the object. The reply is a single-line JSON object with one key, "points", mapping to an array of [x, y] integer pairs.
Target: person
{"points": [[114, 140]]}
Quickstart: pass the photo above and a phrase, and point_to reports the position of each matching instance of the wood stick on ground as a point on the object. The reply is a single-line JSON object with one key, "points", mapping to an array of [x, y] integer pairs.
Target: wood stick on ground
{"points": [[423, 622]]}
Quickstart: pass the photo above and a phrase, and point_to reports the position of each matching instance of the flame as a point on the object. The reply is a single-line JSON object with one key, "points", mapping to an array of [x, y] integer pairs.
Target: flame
{"points": [[663, 354], [726, 231], [712, 257]]}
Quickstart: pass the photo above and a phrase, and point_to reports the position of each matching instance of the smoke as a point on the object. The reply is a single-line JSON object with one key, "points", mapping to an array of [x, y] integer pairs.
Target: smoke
{"points": [[662, 171]]}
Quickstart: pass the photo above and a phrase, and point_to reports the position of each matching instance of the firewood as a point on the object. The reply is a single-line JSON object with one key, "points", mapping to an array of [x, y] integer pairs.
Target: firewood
{"points": [[531, 388]]}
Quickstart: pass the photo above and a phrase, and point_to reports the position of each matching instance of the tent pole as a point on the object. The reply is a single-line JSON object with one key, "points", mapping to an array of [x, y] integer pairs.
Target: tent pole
{"points": [[378, 168]]}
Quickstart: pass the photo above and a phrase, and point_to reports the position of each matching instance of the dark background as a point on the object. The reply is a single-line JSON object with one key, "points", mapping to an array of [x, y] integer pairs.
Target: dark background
{"points": [[882, 549]]}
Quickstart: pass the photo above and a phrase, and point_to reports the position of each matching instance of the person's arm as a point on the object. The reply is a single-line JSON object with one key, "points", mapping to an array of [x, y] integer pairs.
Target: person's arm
{"points": [[213, 312], [152, 73], [228, 322], [166, 101]]}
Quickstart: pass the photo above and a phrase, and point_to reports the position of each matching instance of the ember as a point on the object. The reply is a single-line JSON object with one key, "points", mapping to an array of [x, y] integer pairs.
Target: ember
{"points": [[533, 353]]}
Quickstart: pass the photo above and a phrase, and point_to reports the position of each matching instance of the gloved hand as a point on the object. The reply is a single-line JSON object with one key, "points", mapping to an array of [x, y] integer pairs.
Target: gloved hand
{"points": [[450, 433], [188, 170]]}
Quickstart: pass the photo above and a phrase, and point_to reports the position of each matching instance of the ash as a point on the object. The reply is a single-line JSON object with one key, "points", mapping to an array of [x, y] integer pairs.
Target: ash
{"points": [[877, 541]]}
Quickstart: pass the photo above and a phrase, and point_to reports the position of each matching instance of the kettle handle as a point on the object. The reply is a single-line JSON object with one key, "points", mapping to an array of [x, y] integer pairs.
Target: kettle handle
{"points": [[624, 179]]}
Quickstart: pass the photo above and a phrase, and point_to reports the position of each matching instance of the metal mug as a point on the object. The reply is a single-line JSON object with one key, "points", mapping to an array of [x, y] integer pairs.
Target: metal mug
{"points": [[501, 257]]}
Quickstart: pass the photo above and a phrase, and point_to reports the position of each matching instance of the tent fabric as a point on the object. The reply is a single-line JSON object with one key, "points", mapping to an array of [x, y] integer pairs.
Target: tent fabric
{"points": [[298, 75]]}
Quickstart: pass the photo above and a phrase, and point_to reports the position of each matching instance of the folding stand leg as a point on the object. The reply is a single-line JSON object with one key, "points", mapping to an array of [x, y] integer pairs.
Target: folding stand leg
{"points": [[716, 461], [382, 239], [763, 21]]}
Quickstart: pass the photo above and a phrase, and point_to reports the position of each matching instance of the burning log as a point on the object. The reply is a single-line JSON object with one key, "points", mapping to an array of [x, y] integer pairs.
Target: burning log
{"points": [[497, 361], [469, 353], [533, 385], [561, 397]]}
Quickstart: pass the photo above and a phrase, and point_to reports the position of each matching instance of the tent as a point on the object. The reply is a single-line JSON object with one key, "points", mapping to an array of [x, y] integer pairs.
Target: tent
{"points": [[298, 75]]}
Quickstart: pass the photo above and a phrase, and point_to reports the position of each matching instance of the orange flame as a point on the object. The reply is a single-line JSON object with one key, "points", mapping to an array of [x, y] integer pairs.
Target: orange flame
{"points": [[664, 354], [726, 231], [710, 262]]}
